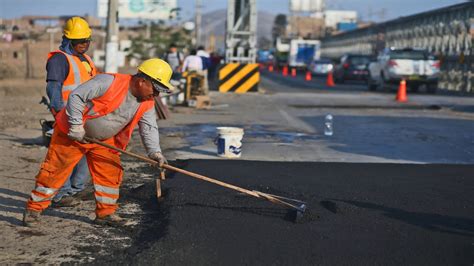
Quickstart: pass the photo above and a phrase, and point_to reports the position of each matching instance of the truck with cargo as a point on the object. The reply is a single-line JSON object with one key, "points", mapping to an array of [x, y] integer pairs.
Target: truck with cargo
{"points": [[303, 52]]}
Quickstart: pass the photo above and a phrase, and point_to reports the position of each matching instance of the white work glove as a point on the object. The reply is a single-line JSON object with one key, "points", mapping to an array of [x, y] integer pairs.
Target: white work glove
{"points": [[77, 133], [158, 157]]}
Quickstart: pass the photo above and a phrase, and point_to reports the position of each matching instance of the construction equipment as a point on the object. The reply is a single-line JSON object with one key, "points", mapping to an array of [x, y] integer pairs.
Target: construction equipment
{"points": [[195, 94], [242, 74], [297, 207]]}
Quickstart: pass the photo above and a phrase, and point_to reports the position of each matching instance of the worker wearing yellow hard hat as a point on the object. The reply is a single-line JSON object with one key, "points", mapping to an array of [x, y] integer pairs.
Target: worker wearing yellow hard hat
{"points": [[67, 68], [107, 109], [159, 72], [77, 28]]}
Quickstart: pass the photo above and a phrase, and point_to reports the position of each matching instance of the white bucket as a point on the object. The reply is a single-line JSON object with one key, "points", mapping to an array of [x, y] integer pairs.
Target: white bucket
{"points": [[229, 142]]}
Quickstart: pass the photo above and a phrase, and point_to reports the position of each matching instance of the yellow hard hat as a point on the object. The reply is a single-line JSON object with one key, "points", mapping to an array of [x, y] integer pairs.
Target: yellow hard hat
{"points": [[77, 28], [159, 71]]}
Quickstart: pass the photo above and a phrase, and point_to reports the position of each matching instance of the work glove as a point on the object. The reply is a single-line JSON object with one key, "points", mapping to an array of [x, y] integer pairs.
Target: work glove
{"points": [[158, 157], [77, 133]]}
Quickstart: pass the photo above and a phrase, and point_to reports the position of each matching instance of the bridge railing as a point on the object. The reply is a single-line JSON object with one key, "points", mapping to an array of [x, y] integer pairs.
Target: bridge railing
{"points": [[447, 32]]}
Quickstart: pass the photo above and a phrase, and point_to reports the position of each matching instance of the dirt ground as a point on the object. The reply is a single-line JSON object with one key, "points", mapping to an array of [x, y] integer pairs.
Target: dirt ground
{"points": [[65, 232]]}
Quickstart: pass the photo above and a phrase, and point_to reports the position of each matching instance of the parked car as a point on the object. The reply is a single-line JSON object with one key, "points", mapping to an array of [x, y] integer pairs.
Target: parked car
{"points": [[352, 67], [321, 66], [417, 66]]}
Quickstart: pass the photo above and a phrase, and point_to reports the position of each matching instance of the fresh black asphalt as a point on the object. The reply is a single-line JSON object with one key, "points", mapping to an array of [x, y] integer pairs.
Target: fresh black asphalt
{"points": [[359, 214]]}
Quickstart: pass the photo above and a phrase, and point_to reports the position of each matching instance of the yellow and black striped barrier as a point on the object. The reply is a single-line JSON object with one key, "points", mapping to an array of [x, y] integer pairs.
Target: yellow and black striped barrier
{"points": [[239, 78]]}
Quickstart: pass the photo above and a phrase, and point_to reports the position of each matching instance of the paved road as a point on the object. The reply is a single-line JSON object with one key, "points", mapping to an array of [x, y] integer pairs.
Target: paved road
{"points": [[359, 214], [317, 84], [405, 198], [286, 124]]}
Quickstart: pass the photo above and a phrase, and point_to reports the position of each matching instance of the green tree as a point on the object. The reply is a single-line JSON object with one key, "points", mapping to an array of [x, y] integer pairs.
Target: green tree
{"points": [[161, 36]]}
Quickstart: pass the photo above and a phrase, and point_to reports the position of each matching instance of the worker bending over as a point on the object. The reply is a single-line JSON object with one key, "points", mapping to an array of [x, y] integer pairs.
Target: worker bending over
{"points": [[107, 108]]}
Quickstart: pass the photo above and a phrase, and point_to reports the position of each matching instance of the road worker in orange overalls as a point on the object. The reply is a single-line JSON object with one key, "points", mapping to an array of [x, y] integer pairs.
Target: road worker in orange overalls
{"points": [[108, 107]]}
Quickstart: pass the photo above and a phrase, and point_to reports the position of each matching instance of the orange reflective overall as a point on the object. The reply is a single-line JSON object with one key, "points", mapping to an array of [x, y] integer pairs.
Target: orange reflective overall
{"points": [[104, 164]]}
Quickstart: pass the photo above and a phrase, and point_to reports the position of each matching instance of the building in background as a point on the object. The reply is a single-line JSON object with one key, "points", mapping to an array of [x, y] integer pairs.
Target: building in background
{"points": [[301, 24], [344, 19], [25, 43], [306, 27]]}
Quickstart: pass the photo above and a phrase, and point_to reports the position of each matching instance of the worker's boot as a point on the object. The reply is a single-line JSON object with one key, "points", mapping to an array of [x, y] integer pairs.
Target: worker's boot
{"points": [[31, 218], [66, 201], [112, 220]]}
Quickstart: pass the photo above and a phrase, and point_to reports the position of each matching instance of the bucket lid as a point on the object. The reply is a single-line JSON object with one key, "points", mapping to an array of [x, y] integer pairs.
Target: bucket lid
{"points": [[230, 130]]}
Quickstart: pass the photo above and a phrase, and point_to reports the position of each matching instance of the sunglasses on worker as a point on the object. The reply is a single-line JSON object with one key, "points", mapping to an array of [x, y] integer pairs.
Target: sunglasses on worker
{"points": [[80, 41], [157, 87]]}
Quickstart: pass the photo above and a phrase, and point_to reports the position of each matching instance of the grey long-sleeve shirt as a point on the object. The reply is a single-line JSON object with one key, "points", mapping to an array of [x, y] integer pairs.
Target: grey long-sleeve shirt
{"points": [[107, 126]]}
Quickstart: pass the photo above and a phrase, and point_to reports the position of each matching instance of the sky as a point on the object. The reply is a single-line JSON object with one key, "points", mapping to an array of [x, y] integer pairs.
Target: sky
{"points": [[393, 8]]}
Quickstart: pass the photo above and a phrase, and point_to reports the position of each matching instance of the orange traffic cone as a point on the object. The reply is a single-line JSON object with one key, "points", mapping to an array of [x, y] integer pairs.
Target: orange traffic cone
{"points": [[285, 71], [293, 72], [402, 92], [308, 76], [330, 80], [270, 68]]}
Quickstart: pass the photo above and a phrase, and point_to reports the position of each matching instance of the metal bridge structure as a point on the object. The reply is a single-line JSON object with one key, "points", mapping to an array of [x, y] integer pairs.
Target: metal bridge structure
{"points": [[241, 31], [447, 32]]}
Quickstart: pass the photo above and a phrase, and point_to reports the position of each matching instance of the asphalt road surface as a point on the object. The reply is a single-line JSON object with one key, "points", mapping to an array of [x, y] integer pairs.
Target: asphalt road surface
{"points": [[392, 186], [317, 83], [359, 214]]}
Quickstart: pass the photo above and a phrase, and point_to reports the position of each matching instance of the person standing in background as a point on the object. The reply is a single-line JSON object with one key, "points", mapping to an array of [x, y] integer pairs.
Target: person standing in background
{"points": [[206, 63], [192, 62], [175, 59]]}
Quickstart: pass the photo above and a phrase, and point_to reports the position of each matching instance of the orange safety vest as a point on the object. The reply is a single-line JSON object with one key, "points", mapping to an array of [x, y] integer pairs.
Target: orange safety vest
{"points": [[106, 104], [77, 75]]}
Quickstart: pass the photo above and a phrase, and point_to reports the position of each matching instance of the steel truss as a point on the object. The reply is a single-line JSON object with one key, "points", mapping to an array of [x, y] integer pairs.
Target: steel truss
{"points": [[447, 32]]}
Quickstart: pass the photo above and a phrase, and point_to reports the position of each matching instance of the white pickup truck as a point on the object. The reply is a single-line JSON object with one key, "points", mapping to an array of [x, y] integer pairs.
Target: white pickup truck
{"points": [[417, 66]]}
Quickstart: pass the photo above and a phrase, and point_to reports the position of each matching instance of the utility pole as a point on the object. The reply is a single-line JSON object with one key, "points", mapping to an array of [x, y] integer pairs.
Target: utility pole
{"points": [[28, 73], [198, 22], [111, 47]]}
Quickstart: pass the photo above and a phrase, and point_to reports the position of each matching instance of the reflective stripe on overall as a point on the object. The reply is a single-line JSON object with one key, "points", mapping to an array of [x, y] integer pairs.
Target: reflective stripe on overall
{"points": [[104, 164]]}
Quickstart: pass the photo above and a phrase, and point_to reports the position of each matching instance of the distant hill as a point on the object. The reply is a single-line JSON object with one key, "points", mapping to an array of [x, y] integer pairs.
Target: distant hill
{"points": [[215, 22]]}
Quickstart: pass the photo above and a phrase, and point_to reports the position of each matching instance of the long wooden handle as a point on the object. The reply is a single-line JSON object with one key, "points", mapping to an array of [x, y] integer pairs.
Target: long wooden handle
{"points": [[143, 158], [253, 193], [172, 168]]}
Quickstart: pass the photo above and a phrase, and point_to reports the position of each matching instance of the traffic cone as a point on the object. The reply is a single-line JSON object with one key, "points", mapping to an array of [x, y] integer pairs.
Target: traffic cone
{"points": [[293, 72], [330, 80], [308, 76], [285, 71], [270, 68], [402, 92]]}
